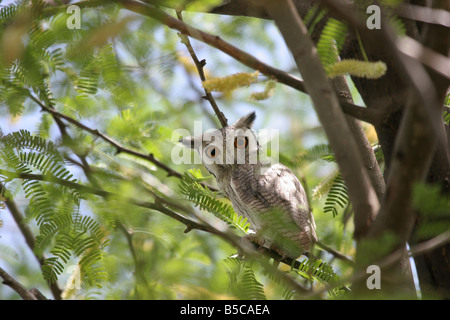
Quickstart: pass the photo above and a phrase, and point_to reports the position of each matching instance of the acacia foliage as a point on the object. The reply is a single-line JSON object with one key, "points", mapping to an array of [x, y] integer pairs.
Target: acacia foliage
{"points": [[124, 79]]}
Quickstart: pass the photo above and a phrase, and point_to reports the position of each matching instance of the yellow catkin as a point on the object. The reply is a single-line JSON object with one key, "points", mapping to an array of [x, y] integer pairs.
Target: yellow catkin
{"points": [[266, 94], [230, 83], [324, 186], [362, 69]]}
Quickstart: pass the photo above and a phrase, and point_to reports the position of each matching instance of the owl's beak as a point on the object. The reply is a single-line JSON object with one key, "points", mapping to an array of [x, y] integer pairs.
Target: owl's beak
{"points": [[187, 142]]}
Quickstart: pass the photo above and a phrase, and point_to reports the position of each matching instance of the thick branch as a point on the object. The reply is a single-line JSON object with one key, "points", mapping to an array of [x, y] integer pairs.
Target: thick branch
{"points": [[414, 49], [243, 7], [417, 138], [326, 104], [425, 14], [421, 129], [412, 72], [365, 149]]}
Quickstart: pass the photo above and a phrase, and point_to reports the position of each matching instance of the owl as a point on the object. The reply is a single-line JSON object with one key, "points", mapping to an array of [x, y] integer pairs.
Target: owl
{"points": [[269, 195]]}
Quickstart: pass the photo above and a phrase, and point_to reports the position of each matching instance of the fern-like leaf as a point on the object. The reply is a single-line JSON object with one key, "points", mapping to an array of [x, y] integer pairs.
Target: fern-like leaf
{"points": [[207, 200], [446, 111], [243, 282], [320, 271], [252, 288], [7, 13], [331, 42], [337, 196], [62, 230]]}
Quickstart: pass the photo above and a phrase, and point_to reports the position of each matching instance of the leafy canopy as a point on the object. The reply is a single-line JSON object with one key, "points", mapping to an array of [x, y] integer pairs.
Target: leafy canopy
{"points": [[124, 80]]}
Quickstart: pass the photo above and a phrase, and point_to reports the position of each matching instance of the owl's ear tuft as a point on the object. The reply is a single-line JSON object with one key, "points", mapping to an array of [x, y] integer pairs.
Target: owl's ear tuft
{"points": [[246, 121]]}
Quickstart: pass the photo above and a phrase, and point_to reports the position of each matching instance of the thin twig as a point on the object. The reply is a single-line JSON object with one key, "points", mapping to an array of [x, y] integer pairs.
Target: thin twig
{"points": [[119, 147], [250, 61], [389, 260], [335, 253], [29, 238], [200, 65], [24, 293], [243, 57], [106, 194], [229, 237], [140, 274]]}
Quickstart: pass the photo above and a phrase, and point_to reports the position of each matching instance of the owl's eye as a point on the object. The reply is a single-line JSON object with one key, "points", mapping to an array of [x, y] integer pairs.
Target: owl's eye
{"points": [[211, 152], [240, 142]]}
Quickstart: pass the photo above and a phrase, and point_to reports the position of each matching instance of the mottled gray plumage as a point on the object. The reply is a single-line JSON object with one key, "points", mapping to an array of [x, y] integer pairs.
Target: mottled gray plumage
{"points": [[270, 196]]}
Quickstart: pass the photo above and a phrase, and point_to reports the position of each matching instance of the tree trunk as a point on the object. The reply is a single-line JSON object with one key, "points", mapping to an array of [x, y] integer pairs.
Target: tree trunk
{"points": [[390, 94]]}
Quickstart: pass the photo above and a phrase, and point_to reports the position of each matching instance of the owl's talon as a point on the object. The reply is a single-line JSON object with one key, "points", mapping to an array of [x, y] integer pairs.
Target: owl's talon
{"points": [[251, 241], [279, 251], [256, 240]]}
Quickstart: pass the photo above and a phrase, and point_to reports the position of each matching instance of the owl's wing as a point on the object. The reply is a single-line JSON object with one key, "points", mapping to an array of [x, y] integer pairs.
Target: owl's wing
{"points": [[275, 188]]}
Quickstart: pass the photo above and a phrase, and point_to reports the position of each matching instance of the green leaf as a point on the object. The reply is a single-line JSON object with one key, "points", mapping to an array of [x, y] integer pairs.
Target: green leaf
{"points": [[337, 196], [62, 230], [331, 42], [207, 200]]}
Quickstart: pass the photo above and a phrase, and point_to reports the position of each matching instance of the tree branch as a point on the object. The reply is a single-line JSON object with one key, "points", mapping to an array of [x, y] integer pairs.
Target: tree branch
{"points": [[29, 237], [424, 14], [365, 149], [199, 65], [421, 129], [417, 138], [361, 113], [243, 57], [160, 205], [326, 104], [214, 41], [139, 271], [414, 49], [17, 216], [119, 147], [106, 194], [394, 257], [24, 293], [412, 72]]}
